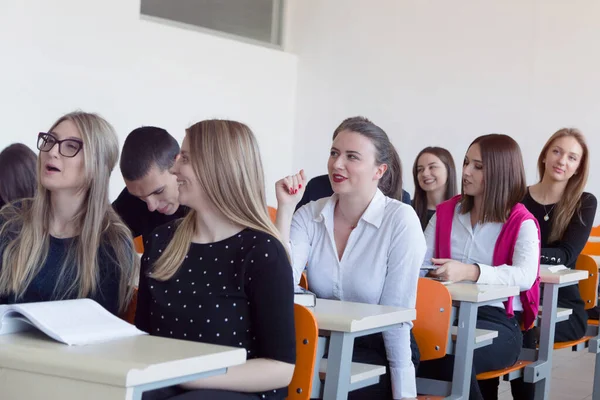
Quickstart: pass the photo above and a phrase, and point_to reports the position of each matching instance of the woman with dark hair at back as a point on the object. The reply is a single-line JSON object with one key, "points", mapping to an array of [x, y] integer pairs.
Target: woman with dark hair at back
{"points": [[485, 235], [18, 164], [435, 181], [361, 245]]}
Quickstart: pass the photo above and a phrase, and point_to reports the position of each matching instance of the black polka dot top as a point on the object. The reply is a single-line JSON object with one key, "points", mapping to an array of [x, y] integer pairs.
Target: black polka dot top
{"points": [[237, 292]]}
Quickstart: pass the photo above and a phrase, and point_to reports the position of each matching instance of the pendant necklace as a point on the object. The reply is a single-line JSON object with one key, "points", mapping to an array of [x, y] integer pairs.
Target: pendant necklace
{"points": [[547, 217]]}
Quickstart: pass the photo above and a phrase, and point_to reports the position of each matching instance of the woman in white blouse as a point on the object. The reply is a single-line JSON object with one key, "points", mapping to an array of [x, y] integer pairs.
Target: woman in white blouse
{"points": [[485, 235], [360, 244]]}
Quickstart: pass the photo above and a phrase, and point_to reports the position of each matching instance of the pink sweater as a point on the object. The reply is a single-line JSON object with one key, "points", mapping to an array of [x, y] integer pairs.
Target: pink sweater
{"points": [[503, 251]]}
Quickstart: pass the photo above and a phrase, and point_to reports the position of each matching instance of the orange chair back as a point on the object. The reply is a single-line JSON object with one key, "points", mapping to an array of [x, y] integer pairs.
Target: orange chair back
{"points": [[304, 281], [595, 231], [307, 335], [138, 244], [129, 314], [588, 288], [272, 213], [591, 248], [432, 326]]}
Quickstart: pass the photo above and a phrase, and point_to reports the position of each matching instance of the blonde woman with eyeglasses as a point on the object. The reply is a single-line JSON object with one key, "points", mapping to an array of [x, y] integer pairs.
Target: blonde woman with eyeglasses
{"points": [[67, 242]]}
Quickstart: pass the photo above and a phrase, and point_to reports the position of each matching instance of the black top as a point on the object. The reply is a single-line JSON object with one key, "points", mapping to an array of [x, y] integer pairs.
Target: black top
{"points": [[320, 186], [135, 214], [237, 292], [430, 214], [566, 250], [47, 285]]}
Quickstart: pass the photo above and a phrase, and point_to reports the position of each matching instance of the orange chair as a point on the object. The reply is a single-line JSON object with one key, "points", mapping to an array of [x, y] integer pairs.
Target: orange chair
{"points": [[138, 244], [432, 326], [307, 335], [591, 248], [595, 231], [272, 213], [588, 289], [129, 314], [304, 281]]}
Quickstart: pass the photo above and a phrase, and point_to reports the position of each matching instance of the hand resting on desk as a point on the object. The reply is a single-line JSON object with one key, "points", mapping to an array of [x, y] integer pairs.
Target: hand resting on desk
{"points": [[455, 271]]}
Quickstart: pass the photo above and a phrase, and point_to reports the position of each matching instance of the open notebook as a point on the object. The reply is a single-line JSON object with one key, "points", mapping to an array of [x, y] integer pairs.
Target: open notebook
{"points": [[73, 322]]}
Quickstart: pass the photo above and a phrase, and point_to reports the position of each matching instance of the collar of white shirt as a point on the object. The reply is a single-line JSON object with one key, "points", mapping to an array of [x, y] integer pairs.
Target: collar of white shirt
{"points": [[372, 215]]}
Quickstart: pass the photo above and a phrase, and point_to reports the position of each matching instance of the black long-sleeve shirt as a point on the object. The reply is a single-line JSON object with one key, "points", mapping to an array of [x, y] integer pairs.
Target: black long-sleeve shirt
{"points": [[236, 292], [48, 284], [135, 214], [565, 251]]}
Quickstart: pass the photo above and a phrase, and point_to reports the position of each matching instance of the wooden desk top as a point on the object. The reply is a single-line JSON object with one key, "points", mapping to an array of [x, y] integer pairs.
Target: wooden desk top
{"points": [[346, 316], [478, 293], [126, 362], [562, 276]]}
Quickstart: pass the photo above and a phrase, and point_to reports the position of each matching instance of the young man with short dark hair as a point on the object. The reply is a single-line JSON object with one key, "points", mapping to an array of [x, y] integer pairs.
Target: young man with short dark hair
{"points": [[151, 196]]}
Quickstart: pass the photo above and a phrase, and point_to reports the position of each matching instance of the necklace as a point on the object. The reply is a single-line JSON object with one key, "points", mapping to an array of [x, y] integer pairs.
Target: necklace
{"points": [[547, 217], [352, 226]]}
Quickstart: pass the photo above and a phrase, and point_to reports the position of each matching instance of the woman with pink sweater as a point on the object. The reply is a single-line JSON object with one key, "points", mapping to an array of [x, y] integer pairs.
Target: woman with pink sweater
{"points": [[485, 235]]}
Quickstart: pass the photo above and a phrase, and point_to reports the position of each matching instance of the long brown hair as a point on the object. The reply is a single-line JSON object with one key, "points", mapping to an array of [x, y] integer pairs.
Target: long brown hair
{"points": [[570, 202], [420, 197], [227, 163], [25, 229], [504, 183], [391, 181]]}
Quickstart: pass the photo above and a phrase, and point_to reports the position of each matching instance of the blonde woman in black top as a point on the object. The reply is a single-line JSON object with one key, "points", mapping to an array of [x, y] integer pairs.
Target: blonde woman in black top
{"points": [[565, 214], [221, 275]]}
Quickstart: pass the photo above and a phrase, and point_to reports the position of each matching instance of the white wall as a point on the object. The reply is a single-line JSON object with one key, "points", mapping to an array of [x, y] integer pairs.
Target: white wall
{"points": [[444, 72], [61, 55]]}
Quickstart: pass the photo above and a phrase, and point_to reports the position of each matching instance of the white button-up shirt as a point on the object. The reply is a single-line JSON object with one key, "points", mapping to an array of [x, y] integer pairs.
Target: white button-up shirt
{"points": [[380, 265], [476, 245]]}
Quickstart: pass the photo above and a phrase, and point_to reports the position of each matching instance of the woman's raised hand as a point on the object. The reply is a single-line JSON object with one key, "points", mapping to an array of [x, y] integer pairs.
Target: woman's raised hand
{"points": [[290, 189]]}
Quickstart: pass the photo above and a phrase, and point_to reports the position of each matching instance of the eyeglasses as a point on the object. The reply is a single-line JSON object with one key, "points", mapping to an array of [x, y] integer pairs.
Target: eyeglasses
{"points": [[66, 147]]}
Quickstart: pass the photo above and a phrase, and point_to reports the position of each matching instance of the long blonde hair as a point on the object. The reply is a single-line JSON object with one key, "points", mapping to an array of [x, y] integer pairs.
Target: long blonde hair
{"points": [[226, 160], [570, 201], [25, 229]]}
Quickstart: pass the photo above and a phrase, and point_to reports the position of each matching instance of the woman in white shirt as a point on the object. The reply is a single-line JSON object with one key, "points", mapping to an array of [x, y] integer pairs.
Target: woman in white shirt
{"points": [[484, 235], [360, 245]]}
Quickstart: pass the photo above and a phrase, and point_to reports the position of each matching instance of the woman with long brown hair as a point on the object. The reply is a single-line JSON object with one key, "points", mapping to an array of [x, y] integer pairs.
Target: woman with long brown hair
{"points": [[221, 274], [67, 242], [565, 214], [485, 235]]}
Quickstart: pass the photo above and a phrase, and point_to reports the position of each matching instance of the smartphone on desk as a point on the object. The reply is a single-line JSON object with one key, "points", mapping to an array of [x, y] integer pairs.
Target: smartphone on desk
{"points": [[428, 267]]}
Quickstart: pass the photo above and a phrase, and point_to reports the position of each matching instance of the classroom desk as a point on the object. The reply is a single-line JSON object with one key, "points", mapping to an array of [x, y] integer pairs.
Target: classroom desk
{"points": [[468, 297], [32, 366], [540, 371], [342, 322]]}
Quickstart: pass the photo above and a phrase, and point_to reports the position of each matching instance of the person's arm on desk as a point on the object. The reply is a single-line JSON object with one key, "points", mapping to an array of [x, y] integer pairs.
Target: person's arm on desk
{"points": [[271, 296], [256, 375]]}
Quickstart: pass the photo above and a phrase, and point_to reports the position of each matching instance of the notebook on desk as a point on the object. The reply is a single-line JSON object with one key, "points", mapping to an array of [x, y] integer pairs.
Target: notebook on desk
{"points": [[443, 282], [73, 322], [304, 297]]}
